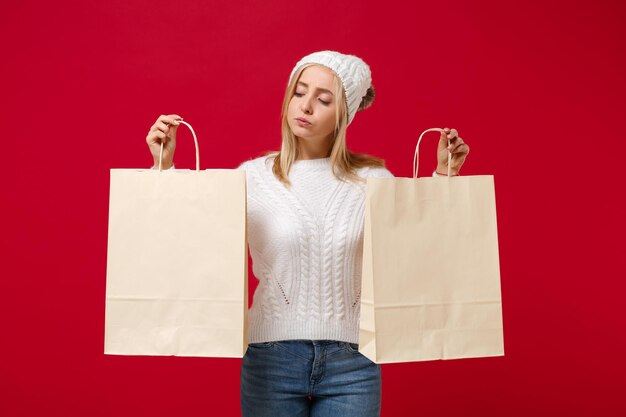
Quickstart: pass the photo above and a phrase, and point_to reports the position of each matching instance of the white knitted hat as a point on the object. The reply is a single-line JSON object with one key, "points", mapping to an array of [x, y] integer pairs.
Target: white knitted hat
{"points": [[354, 73]]}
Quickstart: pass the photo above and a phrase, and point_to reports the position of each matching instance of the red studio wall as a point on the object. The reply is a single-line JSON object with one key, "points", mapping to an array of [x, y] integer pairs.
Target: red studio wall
{"points": [[535, 88]]}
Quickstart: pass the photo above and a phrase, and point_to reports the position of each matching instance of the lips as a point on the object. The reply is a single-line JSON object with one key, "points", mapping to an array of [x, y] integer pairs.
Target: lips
{"points": [[303, 121]]}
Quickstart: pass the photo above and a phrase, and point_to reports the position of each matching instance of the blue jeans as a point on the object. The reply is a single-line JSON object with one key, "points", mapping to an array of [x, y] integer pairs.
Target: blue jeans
{"points": [[312, 378]]}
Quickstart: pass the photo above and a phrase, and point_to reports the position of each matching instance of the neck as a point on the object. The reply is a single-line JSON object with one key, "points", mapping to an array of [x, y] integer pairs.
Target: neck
{"points": [[312, 149]]}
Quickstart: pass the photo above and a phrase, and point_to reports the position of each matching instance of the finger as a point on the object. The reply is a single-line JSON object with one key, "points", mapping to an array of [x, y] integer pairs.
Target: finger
{"points": [[161, 136], [443, 143], [449, 134], [156, 137], [453, 134], [172, 119], [454, 142], [462, 149], [162, 127], [173, 122]]}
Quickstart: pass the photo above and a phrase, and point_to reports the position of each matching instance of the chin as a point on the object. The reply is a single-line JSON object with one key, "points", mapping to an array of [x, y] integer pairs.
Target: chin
{"points": [[300, 131]]}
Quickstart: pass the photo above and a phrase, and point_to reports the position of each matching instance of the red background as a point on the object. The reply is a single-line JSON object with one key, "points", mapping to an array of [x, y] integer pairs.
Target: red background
{"points": [[535, 88]]}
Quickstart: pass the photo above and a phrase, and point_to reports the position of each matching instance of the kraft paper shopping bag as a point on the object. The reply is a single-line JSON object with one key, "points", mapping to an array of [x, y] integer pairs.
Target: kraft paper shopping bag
{"points": [[177, 262], [431, 279]]}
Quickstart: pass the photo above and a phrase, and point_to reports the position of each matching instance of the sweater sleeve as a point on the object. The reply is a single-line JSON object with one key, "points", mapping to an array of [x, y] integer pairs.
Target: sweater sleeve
{"points": [[379, 172], [242, 166]]}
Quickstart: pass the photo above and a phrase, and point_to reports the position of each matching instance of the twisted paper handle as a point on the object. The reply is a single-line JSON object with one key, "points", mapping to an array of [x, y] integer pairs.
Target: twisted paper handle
{"points": [[195, 139], [416, 157]]}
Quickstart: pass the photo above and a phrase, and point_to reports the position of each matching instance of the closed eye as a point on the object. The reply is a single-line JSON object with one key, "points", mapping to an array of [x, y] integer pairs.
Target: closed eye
{"points": [[325, 103]]}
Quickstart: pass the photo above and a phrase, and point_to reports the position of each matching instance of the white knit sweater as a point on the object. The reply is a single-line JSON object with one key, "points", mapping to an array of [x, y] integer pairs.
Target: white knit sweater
{"points": [[306, 244]]}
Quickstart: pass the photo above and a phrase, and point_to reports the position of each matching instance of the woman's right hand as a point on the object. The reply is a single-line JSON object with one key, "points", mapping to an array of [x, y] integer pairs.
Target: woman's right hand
{"points": [[163, 130]]}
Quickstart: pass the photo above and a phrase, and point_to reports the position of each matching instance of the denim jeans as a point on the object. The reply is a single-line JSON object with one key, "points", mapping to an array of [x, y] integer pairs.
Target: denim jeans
{"points": [[312, 378]]}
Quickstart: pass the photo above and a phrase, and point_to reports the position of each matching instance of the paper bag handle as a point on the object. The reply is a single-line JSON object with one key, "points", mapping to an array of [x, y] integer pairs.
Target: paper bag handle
{"points": [[195, 139], [416, 157]]}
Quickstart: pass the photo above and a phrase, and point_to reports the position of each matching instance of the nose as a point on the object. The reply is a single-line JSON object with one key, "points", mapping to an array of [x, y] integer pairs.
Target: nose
{"points": [[305, 106]]}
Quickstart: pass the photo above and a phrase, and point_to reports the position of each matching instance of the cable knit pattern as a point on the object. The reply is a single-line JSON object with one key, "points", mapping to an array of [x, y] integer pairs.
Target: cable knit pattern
{"points": [[306, 245]]}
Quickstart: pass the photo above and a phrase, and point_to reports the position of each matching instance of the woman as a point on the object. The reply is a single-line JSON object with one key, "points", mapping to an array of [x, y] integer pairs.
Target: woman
{"points": [[305, 234]]}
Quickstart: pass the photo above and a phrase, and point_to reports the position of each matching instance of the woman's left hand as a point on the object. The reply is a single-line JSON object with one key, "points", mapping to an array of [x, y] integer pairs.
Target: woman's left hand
{"points": [[458, 148]]}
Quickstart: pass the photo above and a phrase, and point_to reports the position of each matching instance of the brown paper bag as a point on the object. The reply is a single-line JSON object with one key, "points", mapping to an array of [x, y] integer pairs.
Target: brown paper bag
{"points": [[431, 279], [177, 263]]}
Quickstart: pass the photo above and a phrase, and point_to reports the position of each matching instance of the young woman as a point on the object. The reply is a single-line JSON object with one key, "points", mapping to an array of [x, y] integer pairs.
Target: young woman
{"points": [[305, 233]]}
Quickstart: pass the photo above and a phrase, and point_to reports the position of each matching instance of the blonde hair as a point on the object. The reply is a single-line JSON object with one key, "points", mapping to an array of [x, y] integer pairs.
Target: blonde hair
{"points": [[343, 162]]}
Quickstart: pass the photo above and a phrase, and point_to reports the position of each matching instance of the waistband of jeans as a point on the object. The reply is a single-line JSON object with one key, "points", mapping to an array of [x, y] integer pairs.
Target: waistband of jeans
{"points": [[323, 342]]}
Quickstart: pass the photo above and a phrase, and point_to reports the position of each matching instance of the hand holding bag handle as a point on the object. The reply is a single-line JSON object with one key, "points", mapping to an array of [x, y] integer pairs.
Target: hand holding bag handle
{"points": [[416, 157], [195, 139]]}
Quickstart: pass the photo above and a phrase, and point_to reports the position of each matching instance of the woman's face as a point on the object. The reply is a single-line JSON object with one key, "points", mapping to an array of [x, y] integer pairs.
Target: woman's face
{"points": [[311, 111]]}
